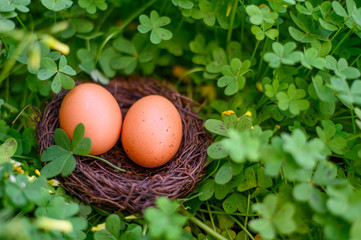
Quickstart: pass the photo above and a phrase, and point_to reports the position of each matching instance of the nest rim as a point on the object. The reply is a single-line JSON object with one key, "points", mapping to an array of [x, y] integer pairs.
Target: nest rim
{"points": [[96, 183]]}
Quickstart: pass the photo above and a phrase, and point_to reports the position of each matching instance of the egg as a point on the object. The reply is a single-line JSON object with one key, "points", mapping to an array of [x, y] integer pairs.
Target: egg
{"points": [[95, 107], [152, 131]]}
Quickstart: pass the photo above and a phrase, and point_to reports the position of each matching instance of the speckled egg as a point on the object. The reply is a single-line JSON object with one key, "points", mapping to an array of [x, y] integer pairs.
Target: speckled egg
{"points": [[95, 107], [152, 131]]}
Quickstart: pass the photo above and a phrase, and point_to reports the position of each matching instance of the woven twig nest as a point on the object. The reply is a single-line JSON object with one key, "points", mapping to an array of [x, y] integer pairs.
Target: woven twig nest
{"points": [[99, 184]]}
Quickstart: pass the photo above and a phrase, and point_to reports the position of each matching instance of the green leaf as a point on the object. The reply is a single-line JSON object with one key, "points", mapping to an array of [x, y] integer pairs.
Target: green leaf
{"points": [[55, 5], [206, 190], [154, 24], [62, 139], [83, 147], [91, 6], [112, 224], [56, 84], [216, 126], [216, 151], [224, 174], [66, 81], [306, 153], [234, 202], [241, 146], [339, 10], [7, 150], [249, 180], [61, 161], [274, 217], [186, 4]]}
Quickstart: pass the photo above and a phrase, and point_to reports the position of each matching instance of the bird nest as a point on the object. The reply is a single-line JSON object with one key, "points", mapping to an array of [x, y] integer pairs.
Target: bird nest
{"points": [[98, 184]]}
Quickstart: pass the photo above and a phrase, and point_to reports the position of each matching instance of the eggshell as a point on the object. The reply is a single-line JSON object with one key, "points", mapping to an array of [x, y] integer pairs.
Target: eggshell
{"points": [[97, 109], [152, 131]]}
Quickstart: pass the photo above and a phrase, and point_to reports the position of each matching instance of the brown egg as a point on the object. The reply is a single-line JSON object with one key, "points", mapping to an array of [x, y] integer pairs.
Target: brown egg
{"points": [[97, 109], [152, 131]]}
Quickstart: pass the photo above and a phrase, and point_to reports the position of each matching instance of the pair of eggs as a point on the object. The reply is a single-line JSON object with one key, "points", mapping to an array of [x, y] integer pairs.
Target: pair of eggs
{"points": [[151, 132]]}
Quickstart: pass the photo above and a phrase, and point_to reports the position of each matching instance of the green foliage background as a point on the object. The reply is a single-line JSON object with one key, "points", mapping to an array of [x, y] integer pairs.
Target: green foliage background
{"points": [[278, 83]]}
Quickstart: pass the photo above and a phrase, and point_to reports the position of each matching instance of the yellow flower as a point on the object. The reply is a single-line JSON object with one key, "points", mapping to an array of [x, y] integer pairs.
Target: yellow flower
{"points": [[53, 182], [98, 227], [37, 172], [228, 112], [56, 45], [248, 113], [18, 169], [259, 87], [48, 224]]}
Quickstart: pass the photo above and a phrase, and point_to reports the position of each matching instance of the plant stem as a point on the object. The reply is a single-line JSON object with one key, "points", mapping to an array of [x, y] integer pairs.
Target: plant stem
{"points": [[21, 22], [342, 40], [352, 138], [234, 10], [22, 157], [248, 205], [261, 60], [120, 29], [106, 161], [354, 61], [338, 31], [210, 216], [234, 214], [353, 120], [103, 18], [243, 227], [202, 225], [254, 51]]}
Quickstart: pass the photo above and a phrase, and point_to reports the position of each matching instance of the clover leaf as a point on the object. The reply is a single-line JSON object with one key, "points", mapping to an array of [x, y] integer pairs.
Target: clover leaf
{"points": [[208, 12], [260, 181], [7, 150], [236, 201], [241, 146], [58, 208], [334, 141], [5, 23], [113, 225], [233, 78], [276, 217], [261, 15], [219, 60], [306, 153], [164, 221], [343, 201], [307, 9], [186, 4], [341, 68], [347, 95], [12, 5], [154, 24], [22, 192], [283, 54], [60, 156], [91, 6], [311, 58], [324, 93], [352, 16], [134, 52], [263, 31], [292, 100], [57, 5], [49, 68], [325, 174], [311, 29]]}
